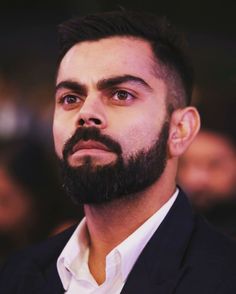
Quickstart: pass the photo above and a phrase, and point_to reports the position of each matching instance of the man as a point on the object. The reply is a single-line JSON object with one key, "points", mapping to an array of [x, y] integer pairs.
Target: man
{"points": [[121, 121], [207, 172]]}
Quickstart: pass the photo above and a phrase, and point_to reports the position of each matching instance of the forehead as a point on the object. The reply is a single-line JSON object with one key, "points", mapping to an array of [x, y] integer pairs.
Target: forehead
{"points": [[109, 56]]}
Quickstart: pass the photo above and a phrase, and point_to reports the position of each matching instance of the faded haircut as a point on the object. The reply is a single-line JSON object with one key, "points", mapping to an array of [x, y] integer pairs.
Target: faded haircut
{"points": [[168, 45]]}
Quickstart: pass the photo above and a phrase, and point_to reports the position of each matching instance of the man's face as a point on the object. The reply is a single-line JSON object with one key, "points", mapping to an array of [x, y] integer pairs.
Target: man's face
{"points": [[111, 86]]}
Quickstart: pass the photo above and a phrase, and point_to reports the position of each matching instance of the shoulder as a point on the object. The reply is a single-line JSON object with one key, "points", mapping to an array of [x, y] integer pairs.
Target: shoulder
{"points": [[211, 257], [203, 237], [205, 242], [32, 261], [207, 239]]}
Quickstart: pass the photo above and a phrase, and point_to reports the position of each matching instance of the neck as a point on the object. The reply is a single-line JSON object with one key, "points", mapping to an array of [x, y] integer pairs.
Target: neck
{"points": [[111, 223]]}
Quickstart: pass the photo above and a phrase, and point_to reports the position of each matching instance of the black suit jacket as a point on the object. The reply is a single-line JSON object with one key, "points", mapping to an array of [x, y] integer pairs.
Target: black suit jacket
{"points": [[184, 256]]}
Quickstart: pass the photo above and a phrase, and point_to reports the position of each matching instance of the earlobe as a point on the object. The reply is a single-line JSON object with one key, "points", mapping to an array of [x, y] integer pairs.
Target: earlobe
{"points": [[184, 126]]}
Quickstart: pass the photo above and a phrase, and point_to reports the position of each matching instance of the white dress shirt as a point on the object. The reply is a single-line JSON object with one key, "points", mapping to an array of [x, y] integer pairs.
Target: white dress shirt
{"points": [[72, 264]]}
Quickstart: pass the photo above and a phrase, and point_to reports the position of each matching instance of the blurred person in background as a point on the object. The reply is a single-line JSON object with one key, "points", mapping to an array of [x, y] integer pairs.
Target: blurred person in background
{"points": [[32, 204], [207, 172]]}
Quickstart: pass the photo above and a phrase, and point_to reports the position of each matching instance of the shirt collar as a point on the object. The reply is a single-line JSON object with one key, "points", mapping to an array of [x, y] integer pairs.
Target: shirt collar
{"points": [[130, 249], [76, 246]]}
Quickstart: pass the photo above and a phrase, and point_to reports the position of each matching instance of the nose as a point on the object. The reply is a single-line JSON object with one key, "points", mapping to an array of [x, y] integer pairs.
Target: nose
{"points": [[92, 113]]}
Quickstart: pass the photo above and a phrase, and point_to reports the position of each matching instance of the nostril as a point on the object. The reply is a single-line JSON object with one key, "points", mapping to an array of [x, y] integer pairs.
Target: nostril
{"points": [[81, 122], [89, 121], [96, 121]]}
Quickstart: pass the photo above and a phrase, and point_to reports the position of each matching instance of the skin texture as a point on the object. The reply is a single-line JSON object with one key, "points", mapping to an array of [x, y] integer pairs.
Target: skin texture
{"points": [[129, 110], [207, 170]]}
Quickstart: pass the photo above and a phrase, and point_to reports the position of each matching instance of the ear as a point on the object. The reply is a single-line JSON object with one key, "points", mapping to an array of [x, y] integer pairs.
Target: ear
{"points": [[184, 126]]}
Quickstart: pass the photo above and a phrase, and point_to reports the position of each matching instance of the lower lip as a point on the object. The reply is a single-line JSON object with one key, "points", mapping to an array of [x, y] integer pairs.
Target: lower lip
{"points": [[83, 152], [98, 156]]}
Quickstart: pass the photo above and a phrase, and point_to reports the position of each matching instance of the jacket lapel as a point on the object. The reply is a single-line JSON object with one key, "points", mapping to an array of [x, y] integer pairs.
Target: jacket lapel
{"points": [[35, 281], [52, 282], [41, 275], [159, 268], [144, 284]]}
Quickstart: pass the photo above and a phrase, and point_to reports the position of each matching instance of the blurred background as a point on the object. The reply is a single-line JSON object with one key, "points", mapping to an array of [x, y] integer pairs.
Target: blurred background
{"points": [[30, 205]]}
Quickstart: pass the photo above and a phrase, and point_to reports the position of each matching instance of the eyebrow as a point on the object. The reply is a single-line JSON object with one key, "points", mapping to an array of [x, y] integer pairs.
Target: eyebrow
{"points": [[103, 84], [115, 81], [73, 86]]}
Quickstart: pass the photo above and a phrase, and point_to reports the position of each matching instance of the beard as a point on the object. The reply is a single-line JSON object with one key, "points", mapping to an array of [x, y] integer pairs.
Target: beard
{"points": [[89, 184]]}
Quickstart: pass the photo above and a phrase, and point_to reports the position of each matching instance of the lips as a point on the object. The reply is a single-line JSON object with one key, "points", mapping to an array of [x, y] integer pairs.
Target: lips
{"points": [[83, 145]]}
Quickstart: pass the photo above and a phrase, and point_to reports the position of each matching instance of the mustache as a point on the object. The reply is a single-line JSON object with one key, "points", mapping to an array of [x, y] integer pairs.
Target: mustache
{"points": [[90, 133]]}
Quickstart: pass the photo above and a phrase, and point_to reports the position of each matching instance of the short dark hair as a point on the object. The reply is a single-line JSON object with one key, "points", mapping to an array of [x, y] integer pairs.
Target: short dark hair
{"points": [[169, 46]]}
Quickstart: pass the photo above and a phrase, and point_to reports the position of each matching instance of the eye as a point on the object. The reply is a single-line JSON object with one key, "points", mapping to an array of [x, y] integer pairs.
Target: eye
{"points": [[122, 95], [69, 99]]}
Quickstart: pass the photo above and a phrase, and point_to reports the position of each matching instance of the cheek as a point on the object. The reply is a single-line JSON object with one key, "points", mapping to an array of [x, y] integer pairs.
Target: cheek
{"points": [[139, 136]]}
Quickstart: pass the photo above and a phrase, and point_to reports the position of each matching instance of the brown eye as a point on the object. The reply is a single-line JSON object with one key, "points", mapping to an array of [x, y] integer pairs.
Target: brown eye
{"points": [[122, 95], [70, 99]]}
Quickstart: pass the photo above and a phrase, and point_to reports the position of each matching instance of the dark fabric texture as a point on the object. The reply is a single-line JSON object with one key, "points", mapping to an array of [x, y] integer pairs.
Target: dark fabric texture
{"points": [[184, 256]]}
